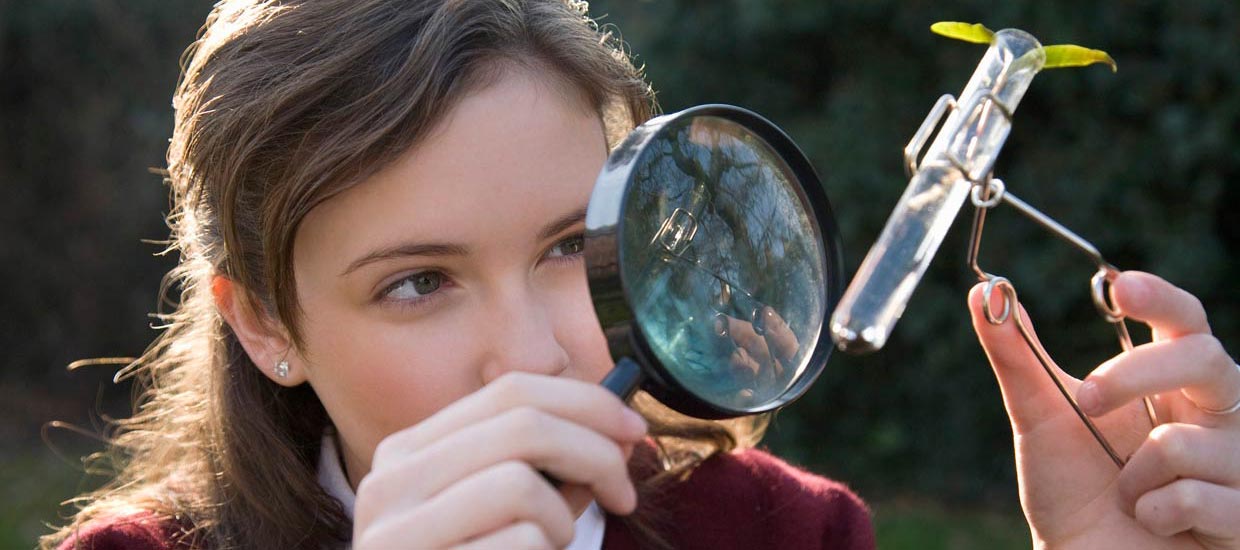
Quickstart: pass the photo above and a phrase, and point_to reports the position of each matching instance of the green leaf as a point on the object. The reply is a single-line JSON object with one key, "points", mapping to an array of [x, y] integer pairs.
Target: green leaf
{"points": [[975, 33], [1069, 55]]}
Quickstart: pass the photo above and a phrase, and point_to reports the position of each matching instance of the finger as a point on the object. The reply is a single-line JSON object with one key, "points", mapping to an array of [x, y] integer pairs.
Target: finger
{"points": [[1175, 451], [566, 450], [578, 497], [1188, 504], [589, 405], [503, 494], [523, 535], [1168, 309], [1195, 362], [779, 337], [1029, 395], [744, 367], [744, 336]]}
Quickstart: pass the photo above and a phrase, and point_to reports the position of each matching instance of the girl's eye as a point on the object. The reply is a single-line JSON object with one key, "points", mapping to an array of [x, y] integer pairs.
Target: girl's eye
{"points": [[568, 248], [415, 286]]}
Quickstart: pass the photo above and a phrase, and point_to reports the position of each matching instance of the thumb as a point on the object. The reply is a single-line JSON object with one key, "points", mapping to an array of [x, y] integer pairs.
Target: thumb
{"points": [[1029, 395]]}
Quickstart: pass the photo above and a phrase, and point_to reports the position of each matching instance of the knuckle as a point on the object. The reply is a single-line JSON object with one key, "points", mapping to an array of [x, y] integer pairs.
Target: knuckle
{"points": [[389, 448], [372, 496], [1170, 442], [527, 535], [526, 421], [1215, 352], [1112, 391], [367, 487], [372, 489], [1185, 498], [516, 476], [531, 487], [1194, 304], [1104, 376], [1206, 343], [513, 387], [520, 484], [382, 450], [1159, 515], [1161, 432]]}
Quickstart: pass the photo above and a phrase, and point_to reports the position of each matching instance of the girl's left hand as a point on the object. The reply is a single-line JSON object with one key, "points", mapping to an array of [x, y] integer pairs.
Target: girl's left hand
{"points": [[1181, 486]]}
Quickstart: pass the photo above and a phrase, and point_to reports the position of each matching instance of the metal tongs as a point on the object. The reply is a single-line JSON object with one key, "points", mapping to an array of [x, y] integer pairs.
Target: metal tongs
{"points": [[957, 165], [988, 194]]}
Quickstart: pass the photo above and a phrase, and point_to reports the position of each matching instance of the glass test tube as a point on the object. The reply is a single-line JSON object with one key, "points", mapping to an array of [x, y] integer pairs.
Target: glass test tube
{"points": [[963, 151]]}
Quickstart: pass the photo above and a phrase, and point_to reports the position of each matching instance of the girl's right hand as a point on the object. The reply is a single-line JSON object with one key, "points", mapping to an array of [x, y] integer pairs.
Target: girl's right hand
{"points": [[470, 475]]}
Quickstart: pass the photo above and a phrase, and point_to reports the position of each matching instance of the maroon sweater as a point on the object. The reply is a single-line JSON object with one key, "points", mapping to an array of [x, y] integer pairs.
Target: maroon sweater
{"points": [[746, 500]]}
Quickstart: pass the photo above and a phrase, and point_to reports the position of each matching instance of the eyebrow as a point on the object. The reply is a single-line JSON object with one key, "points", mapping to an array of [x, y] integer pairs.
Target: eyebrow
{"points": [[405, 250], [560, 224], [452, 249]]}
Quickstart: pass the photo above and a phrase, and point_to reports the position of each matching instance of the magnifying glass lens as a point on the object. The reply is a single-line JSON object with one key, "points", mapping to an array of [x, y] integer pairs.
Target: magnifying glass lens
{"points": [[724, 267]]}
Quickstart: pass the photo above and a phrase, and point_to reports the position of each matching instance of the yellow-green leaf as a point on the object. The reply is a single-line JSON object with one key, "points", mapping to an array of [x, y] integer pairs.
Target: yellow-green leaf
{"points": [[975, 32], [1069, 55]]}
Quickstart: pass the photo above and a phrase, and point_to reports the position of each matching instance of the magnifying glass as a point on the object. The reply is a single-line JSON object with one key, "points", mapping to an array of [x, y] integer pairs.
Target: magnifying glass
{"points": [[714, 263]]}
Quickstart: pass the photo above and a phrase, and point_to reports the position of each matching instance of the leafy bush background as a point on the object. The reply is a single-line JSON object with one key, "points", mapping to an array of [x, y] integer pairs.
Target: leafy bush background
{"points": [[1145, 163]]}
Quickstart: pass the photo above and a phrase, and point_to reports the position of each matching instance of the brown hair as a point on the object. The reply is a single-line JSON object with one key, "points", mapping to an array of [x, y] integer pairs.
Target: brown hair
{"points": [[281, 105]]}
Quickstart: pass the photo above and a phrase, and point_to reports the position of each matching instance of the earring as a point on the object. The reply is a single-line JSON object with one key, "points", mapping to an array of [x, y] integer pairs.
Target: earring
{"points": [[281, 369]]}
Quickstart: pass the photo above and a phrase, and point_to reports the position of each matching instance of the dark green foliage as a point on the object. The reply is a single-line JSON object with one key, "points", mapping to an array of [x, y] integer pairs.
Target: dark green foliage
{"points": [[1145, 163], [85, 95]]}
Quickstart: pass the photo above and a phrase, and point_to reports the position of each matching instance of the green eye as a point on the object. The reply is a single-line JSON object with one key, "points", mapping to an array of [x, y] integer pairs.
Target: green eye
{"points": [[426, 283], [569, 247], [415, 286]]}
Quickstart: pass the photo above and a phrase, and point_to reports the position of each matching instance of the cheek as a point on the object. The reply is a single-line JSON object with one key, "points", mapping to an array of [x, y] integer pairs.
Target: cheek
{"points": [[578, 330], [376, 377]]}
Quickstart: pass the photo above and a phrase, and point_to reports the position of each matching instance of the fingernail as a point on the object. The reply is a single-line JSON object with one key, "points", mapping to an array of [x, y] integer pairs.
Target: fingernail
{"points": [[633, 422], [1088, 399], [721, 325], [759, 322]]}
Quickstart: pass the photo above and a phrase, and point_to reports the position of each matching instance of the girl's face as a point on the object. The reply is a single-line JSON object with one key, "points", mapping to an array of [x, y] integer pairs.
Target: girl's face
{"points": [[456, 264]]}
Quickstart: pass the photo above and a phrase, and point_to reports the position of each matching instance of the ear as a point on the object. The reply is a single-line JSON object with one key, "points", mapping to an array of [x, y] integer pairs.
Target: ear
{"points": [[265, 340]]}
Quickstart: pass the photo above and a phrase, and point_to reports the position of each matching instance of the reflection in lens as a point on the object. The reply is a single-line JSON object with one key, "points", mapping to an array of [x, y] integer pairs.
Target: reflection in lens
{"points": [[723, 263]]}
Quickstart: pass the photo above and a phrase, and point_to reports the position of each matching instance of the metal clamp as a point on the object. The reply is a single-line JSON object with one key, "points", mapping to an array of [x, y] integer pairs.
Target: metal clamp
{"points": [[945, 104], [988, 194], [993, 188]]}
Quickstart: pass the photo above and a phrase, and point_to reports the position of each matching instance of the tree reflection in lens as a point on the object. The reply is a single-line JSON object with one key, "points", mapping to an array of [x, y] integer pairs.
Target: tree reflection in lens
{"points": [[714, 226]]}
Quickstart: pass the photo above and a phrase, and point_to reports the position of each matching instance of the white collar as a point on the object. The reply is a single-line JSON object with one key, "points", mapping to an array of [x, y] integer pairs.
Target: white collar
{"points": [[587, 532]]}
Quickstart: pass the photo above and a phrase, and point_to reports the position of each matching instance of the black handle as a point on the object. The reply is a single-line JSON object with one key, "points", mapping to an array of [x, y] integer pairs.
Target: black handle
{"points": [[624, 379]]}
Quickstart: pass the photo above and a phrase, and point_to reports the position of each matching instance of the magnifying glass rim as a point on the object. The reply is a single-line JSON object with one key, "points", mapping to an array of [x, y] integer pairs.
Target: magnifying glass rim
{"points": [[609, 290]]}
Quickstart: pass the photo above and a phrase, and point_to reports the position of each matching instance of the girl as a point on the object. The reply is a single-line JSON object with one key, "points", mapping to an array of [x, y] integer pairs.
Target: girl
{"points": [[384, 334]]}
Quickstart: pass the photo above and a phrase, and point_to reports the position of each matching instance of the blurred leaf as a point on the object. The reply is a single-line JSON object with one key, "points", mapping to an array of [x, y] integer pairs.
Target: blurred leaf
{"points": [[1071, 55], [976, 33]]}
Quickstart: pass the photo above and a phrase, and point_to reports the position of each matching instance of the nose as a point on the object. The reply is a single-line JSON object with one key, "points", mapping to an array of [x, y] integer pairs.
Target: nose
{"points": [[522, 335]]}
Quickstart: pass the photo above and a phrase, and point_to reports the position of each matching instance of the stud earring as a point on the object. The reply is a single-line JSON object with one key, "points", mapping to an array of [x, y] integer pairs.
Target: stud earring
{"points": [[282, 369]]}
